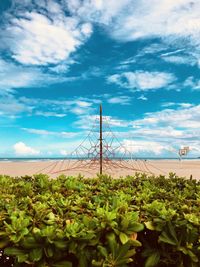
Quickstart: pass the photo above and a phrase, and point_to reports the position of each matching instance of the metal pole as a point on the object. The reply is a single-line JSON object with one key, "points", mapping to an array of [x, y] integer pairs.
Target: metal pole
{"points": [[100, 143]]}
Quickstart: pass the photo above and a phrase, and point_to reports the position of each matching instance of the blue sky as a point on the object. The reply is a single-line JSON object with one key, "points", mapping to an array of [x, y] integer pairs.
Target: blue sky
{"points": [[60, 59]]}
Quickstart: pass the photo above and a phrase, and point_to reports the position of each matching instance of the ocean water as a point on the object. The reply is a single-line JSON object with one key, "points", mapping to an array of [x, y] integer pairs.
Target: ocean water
{"points": [[65, 158]]}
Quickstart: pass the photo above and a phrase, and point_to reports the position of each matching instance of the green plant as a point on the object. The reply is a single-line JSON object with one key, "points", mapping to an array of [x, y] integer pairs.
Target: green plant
{"points": [[73, 221]]}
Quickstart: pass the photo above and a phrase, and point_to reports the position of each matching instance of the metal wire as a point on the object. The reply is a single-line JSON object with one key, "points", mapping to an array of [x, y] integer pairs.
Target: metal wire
{"points": [[86, 157]]}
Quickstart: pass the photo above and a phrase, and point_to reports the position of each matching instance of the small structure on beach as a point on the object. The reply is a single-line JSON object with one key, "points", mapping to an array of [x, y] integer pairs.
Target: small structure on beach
{"points": [[100, 152], [183, 151]]}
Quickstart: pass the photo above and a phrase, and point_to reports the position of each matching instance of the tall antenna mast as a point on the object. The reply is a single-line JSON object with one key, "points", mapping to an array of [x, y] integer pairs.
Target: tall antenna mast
{"points": [[100, 142]]}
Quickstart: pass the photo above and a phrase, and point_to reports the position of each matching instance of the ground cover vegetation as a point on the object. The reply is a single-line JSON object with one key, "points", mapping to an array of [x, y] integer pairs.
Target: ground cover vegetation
{"points": [[73, 221]]}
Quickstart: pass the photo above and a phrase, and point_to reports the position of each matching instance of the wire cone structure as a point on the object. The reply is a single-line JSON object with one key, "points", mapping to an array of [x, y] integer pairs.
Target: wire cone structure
{"points": [[100, 152]]}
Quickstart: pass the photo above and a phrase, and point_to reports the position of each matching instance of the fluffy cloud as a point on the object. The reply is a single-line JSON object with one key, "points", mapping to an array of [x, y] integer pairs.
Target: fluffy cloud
{"points": [[180, 59], [92, 122], [64, 152], [178, 128], [127, 20], [11, 106], [192, 83], [122, 100], [138, 147], [13, 76], [98, 11], [142, 97], [21, 149], [183, 118], [39, 39], [164, 19], [163, 132], [142, 80], [51, 133], [45, 34], [173, 104]]}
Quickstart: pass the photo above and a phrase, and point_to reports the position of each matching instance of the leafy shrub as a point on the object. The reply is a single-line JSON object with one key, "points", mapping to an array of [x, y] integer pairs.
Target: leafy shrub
{"points": [[73, 221]]}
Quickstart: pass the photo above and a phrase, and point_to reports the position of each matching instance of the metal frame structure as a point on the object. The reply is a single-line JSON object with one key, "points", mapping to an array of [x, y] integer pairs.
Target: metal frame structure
{"points": [[100, 152]]}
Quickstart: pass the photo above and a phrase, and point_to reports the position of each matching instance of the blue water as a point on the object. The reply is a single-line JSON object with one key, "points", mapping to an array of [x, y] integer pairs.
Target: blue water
{"points": [[62, 158]]}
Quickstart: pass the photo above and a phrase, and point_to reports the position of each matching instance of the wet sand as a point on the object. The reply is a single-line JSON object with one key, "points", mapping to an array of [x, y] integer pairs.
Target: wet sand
{"points": [[184, 168]]}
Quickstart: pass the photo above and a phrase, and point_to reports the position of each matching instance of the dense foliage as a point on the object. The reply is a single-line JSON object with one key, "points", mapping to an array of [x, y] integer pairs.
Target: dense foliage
{"points": [[73, 221]]}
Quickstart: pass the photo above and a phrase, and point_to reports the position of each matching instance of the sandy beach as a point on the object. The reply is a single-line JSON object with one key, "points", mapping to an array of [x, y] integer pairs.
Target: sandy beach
{"points": [[184, 168]]}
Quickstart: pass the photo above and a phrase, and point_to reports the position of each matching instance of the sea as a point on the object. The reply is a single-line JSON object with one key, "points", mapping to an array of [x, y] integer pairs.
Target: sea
{"points": [[36, 159]]}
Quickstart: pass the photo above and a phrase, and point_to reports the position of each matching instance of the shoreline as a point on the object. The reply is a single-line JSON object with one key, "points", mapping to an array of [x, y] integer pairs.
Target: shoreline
{"points": [[54, 168]]}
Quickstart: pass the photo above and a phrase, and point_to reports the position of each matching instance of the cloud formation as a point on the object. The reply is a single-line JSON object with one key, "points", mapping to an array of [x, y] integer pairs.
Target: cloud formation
{"points": [[146, 147], [21, 149], [40, 38], [142, 80], [176, 23], [43, 132], [13, 76]]}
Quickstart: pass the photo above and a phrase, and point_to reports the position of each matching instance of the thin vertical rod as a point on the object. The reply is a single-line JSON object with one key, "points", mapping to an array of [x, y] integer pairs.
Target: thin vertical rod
{"points": [[100, 143]]}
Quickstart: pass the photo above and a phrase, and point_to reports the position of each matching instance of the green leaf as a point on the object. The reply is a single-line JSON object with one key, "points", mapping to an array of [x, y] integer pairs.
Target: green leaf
{"points": [[165, 238], [172, 231], [35, 254], [149, 225], [22, 258], [152, 260], [13, 251], [135, 243], [29, 242], [123, 238], [103, 251], [123, 250], [193, 257], [136, 227], [49, 252], [112, 242], [21, 255]]}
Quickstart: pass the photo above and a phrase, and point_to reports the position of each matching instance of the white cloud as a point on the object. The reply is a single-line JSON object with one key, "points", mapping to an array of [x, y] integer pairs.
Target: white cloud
{"points": [[50, 114], [129, 19], [175, 22], [13, 76], [164, 19], [142, 80], [122, 100], [181, 59], [83, 104], [97, 11], [92, 121], [21, 149], [182, 118], [192, 83], [178, 128], [142, 97], [164, 132], [182, 105], [10, 107], [50, 133], [39, 39], [145, 147], [64, 152], [60, 68]]}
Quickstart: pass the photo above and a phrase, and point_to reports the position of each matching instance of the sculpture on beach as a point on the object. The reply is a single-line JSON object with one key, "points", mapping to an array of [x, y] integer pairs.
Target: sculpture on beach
{"points": [[100, 152]]}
